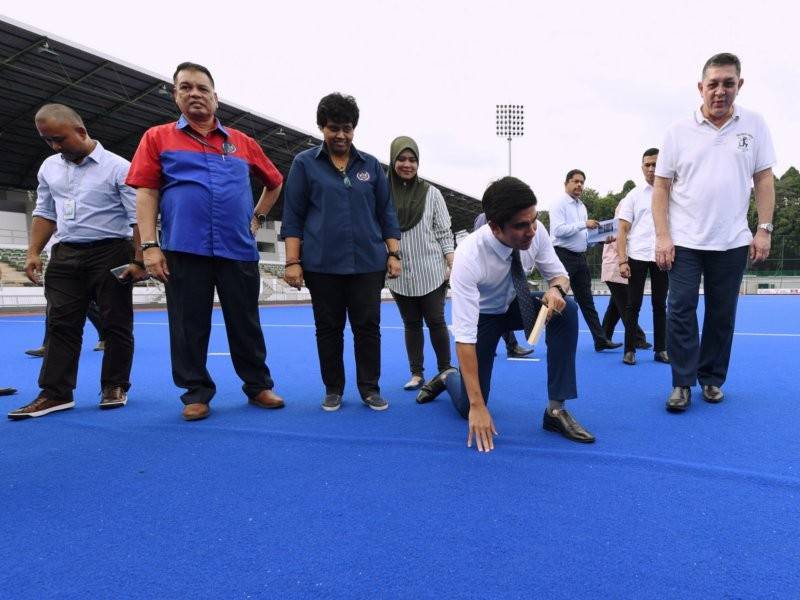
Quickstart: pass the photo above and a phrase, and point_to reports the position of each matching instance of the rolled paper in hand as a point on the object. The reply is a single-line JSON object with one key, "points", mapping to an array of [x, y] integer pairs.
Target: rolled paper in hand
{"points": [[538, 326]]}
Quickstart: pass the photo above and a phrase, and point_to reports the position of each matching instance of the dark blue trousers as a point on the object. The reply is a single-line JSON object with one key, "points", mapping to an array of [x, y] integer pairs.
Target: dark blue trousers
{"points": [[561, 338], [703, 359]]}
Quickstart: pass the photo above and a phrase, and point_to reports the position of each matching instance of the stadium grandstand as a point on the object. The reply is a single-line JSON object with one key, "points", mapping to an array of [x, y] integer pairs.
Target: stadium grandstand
{"points": [[118, 102]]}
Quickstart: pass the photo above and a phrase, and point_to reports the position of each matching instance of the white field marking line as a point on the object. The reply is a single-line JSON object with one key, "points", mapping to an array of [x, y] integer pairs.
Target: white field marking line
{"points": [[526, 359], [747, 333], [219, 353], [392, 327]]}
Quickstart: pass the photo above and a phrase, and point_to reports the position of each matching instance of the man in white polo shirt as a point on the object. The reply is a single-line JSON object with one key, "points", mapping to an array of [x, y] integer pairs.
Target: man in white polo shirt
{"points": [[490, 296], [636, 248], [569, 223], [707, 165]]}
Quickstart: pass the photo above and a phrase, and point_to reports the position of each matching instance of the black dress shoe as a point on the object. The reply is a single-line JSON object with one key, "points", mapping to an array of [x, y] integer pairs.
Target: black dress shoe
{"points": [[8, 391], [679, 400], [712, 394], [36, 352], [629, 358], [519, 352], [563, 423], [434, 387], [661, 356], [606, 345], [643, 345]]}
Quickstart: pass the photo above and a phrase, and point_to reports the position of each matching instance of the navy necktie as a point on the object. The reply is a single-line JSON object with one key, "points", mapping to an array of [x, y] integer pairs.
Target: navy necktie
{"points": [[526, 307]]}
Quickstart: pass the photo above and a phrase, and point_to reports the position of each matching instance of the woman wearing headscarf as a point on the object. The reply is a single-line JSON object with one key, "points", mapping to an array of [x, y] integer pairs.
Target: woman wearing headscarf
{"points": [[426, 246]]}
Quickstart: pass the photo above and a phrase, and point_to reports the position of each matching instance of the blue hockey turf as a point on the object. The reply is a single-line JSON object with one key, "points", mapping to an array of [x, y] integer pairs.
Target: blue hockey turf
{"points": [[300, 503]]}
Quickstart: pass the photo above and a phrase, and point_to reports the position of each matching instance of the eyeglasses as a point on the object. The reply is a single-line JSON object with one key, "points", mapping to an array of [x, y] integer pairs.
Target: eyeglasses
{"points": [[347, 183]]}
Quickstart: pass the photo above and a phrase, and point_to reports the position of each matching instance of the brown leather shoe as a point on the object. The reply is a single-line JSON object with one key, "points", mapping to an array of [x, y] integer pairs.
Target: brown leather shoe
{"points": [[267, 399], [113, 396], [196, 411], [40, 407]]}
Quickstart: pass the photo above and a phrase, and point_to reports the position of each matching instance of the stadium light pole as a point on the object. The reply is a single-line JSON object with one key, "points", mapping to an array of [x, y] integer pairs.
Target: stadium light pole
{"points": [[510, 124]]}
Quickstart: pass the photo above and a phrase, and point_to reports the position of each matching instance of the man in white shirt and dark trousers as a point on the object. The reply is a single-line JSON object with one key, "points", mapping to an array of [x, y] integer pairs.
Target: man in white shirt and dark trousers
{"points": [[707, 165], [569, 223], [490, 296], [82, 194], [636, 250]]}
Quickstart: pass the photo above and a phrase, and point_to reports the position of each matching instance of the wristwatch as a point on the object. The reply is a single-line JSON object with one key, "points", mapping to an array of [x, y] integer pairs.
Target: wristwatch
{"points": [[398, 255], [262, 217], [560, 290], [766, 227], [149, 244]]}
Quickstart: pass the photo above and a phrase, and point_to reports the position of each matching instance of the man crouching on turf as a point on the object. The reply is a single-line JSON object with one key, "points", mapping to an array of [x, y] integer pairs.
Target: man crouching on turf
{"points": [[490, 296]]}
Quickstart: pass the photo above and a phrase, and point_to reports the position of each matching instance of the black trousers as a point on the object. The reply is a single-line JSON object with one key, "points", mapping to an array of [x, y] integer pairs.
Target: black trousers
{"points": [[357, 297], [659, 284], [580, 280], [92, 313], [76, 275], [430, 307], [190, 300], [706, 359], [616, 310]]}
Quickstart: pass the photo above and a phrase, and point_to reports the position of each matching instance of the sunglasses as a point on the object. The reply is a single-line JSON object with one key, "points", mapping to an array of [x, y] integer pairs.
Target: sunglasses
{"points": [[347, 183]]}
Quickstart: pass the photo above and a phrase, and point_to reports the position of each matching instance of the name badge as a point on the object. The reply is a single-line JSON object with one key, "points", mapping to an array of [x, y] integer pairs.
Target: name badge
{"points": [[69, 210]]}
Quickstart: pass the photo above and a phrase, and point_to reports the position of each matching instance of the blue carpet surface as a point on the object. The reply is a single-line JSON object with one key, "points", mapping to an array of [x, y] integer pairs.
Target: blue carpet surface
{"points": [[299, 503]]}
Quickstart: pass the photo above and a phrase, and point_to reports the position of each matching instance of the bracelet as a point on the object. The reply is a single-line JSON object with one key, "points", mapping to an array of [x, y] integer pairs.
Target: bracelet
{"points": [[138, 263], [292, 262]]}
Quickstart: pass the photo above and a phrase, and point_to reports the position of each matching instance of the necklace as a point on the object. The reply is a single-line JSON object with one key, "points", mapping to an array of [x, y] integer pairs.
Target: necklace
{"points": [[335, 161]]}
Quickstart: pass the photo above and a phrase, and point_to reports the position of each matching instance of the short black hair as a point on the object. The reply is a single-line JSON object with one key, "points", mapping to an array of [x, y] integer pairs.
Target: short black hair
{"points": [[723, 59], [190, 66], [506, 197], [573, 172], [650, 152], [337, 108]]}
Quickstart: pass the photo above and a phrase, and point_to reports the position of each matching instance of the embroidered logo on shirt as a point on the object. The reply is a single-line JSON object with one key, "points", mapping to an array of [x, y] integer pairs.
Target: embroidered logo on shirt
{"points": [[228, 148], [362, 176], [745, 141]]}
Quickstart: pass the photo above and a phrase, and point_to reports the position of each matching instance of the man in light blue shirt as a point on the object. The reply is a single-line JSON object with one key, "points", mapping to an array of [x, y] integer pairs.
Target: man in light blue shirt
{"points": [[569, 223], [82, 193]]}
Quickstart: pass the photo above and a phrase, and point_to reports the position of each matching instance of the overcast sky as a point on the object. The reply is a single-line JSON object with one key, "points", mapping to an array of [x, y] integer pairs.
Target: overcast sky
{"points": [[600, 82]]}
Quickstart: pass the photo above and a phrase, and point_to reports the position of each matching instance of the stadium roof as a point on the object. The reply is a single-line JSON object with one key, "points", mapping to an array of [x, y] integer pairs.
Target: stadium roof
{"points": [[118, 102]]}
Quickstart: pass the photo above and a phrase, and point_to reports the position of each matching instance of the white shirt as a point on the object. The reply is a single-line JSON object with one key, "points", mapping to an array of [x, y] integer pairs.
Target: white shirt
{"points": [[88, 201], [637, 209], [568, 222], [712, 174], [481, 277]]}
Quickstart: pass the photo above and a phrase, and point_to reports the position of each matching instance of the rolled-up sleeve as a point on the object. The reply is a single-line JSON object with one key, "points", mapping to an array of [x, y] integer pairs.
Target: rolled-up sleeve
{"points": [[295, 201], [45, 205], [126, 193], [387, 217], [546, 260], [465, 299], [441, 222]]}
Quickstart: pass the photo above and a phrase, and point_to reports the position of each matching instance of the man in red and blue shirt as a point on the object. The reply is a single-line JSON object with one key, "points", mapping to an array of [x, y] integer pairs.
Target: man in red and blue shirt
{"points": [[196, 174]]}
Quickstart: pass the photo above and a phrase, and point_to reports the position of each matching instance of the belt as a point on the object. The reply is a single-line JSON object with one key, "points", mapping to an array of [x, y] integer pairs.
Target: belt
{"points": [[94, 244]]}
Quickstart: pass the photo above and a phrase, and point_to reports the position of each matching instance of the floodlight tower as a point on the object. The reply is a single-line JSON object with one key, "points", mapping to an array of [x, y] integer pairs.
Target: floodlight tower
{"points": [[510, 124]]}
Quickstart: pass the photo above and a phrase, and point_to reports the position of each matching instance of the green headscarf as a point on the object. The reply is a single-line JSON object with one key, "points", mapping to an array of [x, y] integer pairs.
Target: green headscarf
{"points": [[408, 196]]}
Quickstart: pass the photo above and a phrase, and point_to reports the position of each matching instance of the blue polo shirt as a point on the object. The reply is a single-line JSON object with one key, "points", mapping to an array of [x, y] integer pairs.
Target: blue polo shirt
{"points": [[206, 201], [343, 228]]}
